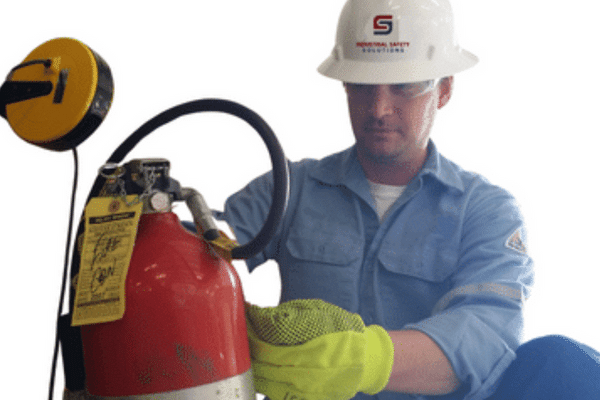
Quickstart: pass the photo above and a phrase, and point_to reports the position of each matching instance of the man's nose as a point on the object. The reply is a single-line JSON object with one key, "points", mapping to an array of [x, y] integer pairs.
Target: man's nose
{"points": [[382, 101]]}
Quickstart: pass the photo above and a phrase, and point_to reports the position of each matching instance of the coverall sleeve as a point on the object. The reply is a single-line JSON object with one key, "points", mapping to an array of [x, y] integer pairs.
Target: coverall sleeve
{"points": [[479, 322]]}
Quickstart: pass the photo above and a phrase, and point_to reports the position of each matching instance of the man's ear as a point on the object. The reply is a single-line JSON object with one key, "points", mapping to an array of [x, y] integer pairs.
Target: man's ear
{"points": [[445, 88]]}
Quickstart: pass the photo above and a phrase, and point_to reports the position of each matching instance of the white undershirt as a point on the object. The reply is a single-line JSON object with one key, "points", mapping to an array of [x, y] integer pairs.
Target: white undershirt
{"points": [[385, 196]]}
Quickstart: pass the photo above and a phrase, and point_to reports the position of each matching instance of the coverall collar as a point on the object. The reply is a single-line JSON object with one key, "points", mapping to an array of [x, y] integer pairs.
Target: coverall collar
{"points": [[347, 171]]}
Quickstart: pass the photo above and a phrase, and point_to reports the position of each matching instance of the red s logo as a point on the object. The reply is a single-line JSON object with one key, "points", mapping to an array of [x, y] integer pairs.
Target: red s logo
{"points": [[383, 24]]}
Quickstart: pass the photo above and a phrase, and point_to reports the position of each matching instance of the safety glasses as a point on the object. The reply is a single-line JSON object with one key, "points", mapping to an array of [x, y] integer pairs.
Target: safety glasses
{"points": [[405, 90]]}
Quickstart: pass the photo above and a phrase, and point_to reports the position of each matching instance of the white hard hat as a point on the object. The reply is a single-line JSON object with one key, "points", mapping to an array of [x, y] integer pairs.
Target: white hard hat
{"points": [[395, 41]]}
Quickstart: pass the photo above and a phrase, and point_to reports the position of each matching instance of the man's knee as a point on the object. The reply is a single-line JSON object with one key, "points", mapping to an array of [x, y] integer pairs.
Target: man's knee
{"points": [[558, 350], [559, 366]]}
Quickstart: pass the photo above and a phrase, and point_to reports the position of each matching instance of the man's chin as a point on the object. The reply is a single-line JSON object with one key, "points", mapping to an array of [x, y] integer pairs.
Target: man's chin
{"points": [[381, 157]]}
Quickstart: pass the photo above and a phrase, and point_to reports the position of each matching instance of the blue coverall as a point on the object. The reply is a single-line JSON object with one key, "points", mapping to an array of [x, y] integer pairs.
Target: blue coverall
{"points": [[450, 259]]}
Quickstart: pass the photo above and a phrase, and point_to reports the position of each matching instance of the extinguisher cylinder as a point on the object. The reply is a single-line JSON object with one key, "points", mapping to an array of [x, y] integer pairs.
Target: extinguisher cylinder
{"points": [[184, 327]]}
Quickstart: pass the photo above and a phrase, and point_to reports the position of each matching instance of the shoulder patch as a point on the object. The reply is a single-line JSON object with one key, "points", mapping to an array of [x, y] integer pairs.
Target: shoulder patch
{"points": [[515, 242]]}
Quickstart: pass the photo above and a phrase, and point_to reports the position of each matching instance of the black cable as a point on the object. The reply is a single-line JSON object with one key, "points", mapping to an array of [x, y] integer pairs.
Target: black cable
{"points": [[65, 274]]}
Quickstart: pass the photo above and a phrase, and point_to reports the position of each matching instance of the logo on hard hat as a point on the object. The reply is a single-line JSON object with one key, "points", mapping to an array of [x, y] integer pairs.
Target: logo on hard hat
{"points": [[383, 24]]}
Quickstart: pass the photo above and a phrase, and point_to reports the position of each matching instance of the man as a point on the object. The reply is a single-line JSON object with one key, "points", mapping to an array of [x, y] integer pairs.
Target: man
{"points": [[432, 260]]}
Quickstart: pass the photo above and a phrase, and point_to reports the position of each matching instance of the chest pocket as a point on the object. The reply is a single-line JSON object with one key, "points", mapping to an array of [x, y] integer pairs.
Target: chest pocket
{"points": [[424, 261], [323, 230], [414, 273], [321, 265], [423, 246], [321, 260], [336, 249]]}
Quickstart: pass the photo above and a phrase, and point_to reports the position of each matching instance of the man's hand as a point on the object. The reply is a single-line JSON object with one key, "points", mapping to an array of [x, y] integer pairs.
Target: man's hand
{"points": [[313, 350]]}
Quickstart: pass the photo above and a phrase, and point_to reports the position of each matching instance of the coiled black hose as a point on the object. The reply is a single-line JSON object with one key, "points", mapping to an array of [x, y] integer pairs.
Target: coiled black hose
{"points": [[278, 160]]}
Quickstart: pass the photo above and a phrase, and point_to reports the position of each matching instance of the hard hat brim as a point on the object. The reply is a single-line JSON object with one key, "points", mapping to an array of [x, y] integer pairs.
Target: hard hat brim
{"points": [[396, 72]]}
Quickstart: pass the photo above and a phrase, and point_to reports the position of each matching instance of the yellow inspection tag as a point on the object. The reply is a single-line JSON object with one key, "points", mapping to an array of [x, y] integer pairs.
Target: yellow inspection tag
{"points": [[110, 230]]}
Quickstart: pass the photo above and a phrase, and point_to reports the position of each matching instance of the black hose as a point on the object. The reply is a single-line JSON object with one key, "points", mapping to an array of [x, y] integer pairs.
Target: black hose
{"points": [[278, 160]]}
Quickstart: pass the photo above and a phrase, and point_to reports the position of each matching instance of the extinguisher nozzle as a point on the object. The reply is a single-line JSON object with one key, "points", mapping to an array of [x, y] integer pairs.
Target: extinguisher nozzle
{"points": [[202, 214], [211, 234]]}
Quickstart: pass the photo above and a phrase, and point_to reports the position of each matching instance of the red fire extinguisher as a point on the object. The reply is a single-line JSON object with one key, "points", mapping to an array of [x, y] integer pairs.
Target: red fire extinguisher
{"points": [[183, 331]]}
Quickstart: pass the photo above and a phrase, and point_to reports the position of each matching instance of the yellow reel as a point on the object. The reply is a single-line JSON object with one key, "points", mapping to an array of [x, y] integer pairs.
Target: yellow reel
{"points": [[58, 96]]}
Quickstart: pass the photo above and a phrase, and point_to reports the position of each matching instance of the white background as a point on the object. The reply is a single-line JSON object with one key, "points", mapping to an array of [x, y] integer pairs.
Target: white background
{"points": [[525, 117]]}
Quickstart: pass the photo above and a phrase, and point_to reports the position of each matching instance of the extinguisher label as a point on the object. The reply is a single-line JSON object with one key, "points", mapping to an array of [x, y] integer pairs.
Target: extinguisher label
{"points": [[110, 230]]}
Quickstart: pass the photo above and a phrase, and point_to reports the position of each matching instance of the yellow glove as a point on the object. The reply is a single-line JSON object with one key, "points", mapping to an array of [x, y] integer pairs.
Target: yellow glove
{"points": [[316, 351]]}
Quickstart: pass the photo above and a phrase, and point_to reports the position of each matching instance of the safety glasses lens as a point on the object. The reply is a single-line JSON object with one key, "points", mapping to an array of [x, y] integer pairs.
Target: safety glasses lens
{"points": [[406, 90], [415, 89]]}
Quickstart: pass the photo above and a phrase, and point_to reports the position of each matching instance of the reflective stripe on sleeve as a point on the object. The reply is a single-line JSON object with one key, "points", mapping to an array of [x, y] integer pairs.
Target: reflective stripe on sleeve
{"points": [[481, 288]]}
